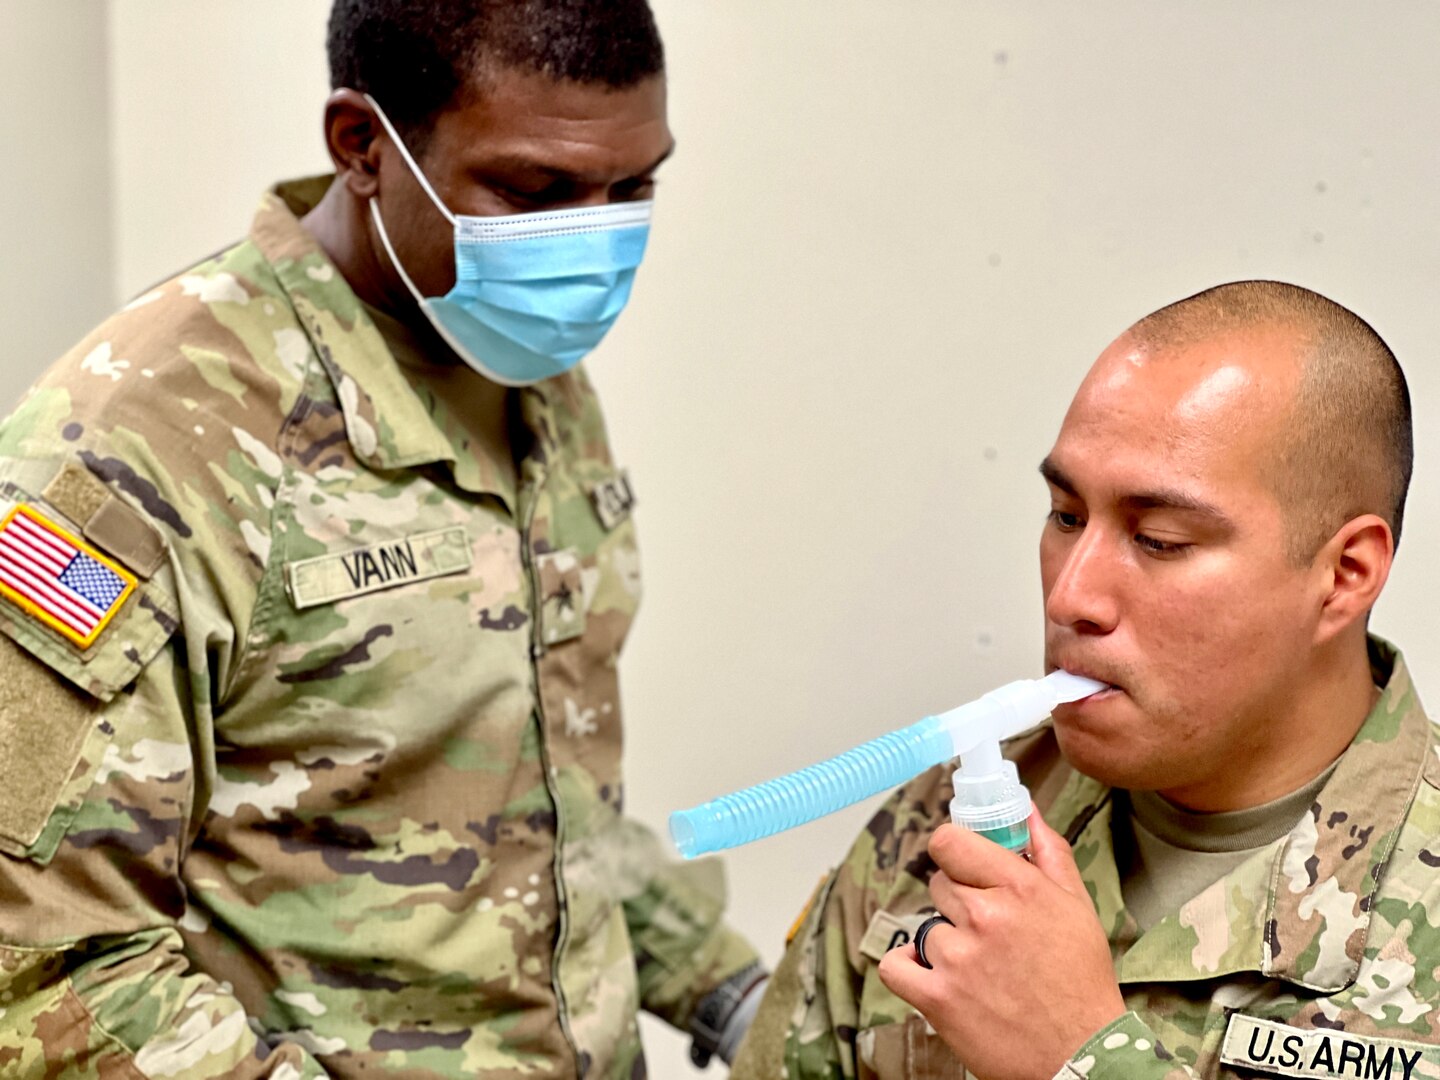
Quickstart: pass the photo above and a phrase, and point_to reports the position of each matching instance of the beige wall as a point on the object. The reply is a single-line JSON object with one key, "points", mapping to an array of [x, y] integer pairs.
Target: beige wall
{"points": [[213, 102], [56, 250], [891, 241]]}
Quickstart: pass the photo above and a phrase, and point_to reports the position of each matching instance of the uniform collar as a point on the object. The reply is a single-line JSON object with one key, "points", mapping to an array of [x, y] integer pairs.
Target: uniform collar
{"points": [[1298, 910], [388, 425]]}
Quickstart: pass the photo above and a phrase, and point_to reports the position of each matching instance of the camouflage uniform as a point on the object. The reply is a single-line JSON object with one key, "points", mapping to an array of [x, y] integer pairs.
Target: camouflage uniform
{"points": [[338, 790], [1318, 956]]}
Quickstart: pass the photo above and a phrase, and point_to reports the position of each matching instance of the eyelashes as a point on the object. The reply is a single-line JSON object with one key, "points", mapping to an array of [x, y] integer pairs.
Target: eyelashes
{"points": [[1066, 522]]}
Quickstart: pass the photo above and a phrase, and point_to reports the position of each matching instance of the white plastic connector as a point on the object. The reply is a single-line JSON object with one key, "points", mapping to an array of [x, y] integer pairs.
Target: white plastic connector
{"points": [[1007, 711], [988, 794]]}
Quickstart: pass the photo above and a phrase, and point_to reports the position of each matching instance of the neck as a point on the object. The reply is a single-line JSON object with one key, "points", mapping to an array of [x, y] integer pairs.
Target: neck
{"points": [[340, 224], [1297, 736]]}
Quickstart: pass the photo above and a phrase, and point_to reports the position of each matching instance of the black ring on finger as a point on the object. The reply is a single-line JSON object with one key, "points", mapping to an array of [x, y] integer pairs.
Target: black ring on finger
{"points": [[925, 928]]}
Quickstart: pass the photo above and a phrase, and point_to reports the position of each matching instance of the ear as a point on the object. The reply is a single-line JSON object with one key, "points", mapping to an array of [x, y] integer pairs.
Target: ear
{"points": [[1356, 564], [352, 133]]}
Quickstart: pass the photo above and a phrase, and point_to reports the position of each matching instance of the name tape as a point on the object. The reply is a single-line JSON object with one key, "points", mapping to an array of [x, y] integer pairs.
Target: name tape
{"points": [[325, 579], [887, 931], [1319, 1053]]}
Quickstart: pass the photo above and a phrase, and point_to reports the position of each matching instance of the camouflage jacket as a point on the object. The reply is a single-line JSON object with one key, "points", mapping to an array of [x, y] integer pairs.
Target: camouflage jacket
{"points": [[335, 788], [1317, 957]]}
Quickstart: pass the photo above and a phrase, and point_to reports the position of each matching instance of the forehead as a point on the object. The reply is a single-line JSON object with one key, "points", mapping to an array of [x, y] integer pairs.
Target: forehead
{"points": [[1204, 416], [583, 128]]}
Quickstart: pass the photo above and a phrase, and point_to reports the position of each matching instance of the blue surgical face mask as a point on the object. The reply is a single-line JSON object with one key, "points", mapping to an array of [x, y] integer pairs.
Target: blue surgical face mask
{"points": [[533, 292]]}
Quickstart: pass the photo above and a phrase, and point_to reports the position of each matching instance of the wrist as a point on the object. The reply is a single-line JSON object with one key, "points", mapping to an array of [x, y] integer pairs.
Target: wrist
{"points": [[713, 1026]]}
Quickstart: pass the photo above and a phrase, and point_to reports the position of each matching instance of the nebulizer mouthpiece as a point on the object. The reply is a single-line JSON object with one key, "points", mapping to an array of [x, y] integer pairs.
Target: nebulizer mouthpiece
{"points": [[988, 793]]}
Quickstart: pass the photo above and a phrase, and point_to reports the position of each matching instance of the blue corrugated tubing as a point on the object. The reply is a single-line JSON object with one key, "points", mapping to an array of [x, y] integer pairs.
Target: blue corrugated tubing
{"points": [[812, 792]]}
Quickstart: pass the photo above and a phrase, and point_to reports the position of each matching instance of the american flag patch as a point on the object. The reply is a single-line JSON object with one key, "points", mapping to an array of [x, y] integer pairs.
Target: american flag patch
{"points": [[58, 578]]}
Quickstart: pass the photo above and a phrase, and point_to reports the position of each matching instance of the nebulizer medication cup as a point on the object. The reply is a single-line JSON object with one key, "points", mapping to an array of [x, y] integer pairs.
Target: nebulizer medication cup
{"points": [[989, 798], [994, 804], [988, 795]]}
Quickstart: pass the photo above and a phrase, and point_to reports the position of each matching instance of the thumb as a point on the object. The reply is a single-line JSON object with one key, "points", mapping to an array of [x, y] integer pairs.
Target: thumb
{"points": [[1050, 852]]}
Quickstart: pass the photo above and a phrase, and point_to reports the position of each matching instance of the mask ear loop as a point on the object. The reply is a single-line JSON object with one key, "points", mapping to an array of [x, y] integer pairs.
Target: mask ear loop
{"points": [[419, 175], [390, 251], [456, 346], [410, 161]]}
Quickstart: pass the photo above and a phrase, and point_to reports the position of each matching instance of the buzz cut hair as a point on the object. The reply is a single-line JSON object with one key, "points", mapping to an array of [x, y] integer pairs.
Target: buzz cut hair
{"points": [[418, 58], [1346, 447]]}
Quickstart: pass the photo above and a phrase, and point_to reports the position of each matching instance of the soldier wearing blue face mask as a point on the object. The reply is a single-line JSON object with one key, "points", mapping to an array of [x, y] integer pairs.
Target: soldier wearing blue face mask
{"points": [[315, 568], [533, 293]]}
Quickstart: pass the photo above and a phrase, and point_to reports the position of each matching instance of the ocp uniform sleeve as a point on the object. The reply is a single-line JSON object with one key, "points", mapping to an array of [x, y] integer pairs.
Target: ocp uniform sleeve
{"points": [[826, 1015], [674, 912], [811, 1017], [794, 1034], [92, 971], [106, 765], [1126, 1049]]}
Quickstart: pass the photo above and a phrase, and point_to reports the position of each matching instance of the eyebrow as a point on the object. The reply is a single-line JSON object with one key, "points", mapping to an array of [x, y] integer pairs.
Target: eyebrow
{"points": [[1152, 499], [519, 162]]}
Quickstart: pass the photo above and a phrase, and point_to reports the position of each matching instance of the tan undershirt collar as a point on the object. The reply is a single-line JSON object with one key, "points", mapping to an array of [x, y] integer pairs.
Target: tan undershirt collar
{"points": [[1167, 855], [1228, 830]]}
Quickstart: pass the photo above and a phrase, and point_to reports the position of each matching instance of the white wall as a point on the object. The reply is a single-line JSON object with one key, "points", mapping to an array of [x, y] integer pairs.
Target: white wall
{"points": [[213, 102], [890, 245], [56, 255], [892, 240]]}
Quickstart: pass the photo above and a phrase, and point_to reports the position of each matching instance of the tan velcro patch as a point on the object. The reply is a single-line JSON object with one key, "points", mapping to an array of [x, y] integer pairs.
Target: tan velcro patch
{"points": [[107, 520], [43, 724], [76, 492]]}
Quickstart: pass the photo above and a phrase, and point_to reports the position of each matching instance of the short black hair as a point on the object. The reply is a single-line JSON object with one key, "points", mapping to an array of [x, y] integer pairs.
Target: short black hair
{"points": [[418, 58], [1349, 445]]}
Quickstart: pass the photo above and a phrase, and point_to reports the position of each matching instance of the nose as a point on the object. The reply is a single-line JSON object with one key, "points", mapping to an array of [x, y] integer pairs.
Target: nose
{"points": [[1082, 594]]}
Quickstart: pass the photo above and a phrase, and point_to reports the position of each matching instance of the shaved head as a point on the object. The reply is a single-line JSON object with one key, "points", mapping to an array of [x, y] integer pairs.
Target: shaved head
{"points": [[1345, 445], [1225, 491]]}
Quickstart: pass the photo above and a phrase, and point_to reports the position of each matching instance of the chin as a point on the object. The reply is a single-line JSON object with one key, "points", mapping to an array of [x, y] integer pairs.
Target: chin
{"points": [[1106, 748], [1093, 757], [1119, 760], [1109, 716]]}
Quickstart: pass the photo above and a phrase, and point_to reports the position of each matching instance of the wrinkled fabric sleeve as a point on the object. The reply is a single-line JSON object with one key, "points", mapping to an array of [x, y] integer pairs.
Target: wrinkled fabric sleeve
{"points": [[793, 1034], [107, 764], [93, 975], [683, 946], [1125, 1049]]}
